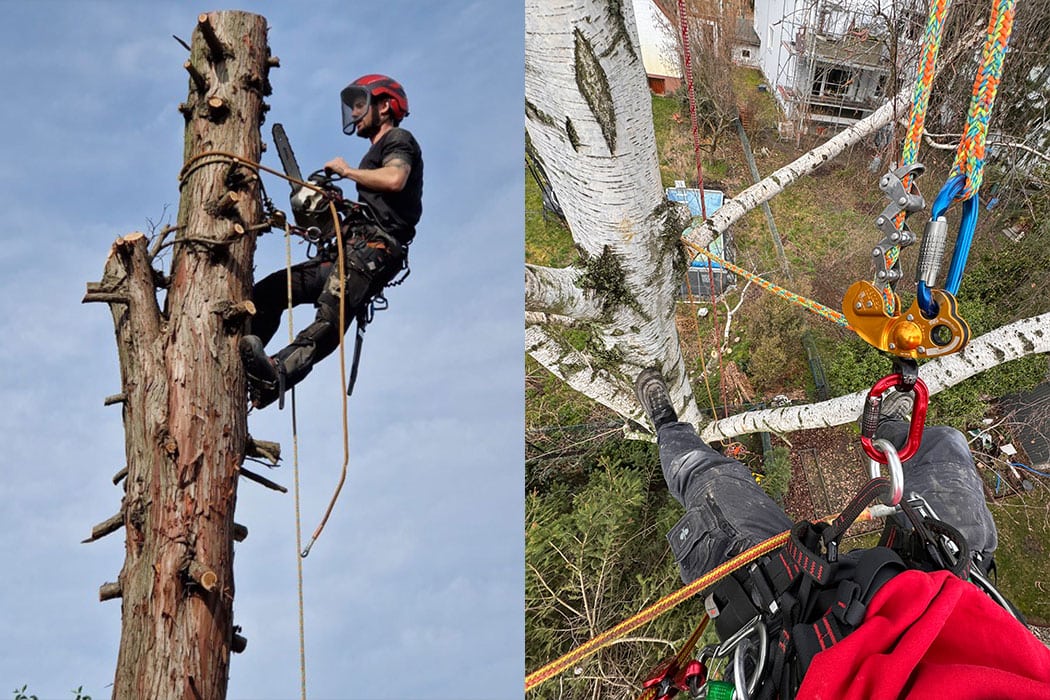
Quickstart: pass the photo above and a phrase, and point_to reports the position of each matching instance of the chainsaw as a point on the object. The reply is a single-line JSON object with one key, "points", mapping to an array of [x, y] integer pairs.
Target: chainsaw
{"points": [[310, 205]]}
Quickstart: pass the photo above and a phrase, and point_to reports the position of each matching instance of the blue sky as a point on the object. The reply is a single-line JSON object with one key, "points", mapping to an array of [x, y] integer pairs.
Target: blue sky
{"points": [[415, 590]]}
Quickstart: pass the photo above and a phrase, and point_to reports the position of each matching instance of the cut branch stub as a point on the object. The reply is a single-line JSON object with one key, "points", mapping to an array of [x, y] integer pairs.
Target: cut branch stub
{"points": [[217, 50], [106, 527], [199, 81], [109, 591], [263, 449], [202, 575], [218, 109]]}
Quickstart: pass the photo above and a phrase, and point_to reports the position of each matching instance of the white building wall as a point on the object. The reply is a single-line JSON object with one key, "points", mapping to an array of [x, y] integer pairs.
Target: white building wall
{"points": [[778, 23]]}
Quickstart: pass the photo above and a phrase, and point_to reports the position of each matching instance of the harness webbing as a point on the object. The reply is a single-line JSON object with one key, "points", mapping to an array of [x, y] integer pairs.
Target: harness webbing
{"points": [[658, 608]]}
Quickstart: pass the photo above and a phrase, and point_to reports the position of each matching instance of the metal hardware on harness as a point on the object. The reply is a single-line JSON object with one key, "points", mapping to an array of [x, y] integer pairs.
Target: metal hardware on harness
{"points": [[893, 461], [738, 645], [668, 678], [931, 252], [870, 419], [902, 199], [909, 334]]}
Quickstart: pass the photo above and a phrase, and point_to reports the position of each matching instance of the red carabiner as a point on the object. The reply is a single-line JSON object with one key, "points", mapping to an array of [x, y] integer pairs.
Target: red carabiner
{"points": [[918, 416]]}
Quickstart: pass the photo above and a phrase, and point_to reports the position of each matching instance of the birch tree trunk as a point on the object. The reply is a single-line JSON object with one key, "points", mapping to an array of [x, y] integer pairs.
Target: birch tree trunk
{"points": [[183, 394], [589, 115]]}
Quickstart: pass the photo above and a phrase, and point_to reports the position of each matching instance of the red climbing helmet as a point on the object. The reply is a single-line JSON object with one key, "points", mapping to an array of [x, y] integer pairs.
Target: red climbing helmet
{"points": [[358, 96]]}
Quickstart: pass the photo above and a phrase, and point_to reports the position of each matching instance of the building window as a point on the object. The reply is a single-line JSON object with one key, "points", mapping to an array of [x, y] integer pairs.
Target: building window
{"points": [[746, 53], [831, 82]]}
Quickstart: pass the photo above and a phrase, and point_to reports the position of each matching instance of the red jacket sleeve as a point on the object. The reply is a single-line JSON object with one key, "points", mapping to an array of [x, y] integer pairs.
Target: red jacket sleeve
{"points": [[932, 635]]}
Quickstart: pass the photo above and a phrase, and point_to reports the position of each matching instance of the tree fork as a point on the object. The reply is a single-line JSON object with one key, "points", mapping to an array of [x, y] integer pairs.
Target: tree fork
{"points": [[184, 399]]}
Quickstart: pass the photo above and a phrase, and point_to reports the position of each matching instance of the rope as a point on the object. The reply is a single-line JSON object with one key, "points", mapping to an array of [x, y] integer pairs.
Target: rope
{"points": [[658, 608], [931, 45], [969, 159], [684, 22], [806, 303], [295, 472], [198, 161], [700, 347], [342, 375]]}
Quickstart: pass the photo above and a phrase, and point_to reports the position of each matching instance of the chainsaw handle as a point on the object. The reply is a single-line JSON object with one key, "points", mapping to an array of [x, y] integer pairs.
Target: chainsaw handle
{"points": [[326, 175]]}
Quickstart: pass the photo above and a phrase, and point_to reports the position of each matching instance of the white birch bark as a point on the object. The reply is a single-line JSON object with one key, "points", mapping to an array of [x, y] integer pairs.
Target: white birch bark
{"points": [[1025, 337], [589, 115]]}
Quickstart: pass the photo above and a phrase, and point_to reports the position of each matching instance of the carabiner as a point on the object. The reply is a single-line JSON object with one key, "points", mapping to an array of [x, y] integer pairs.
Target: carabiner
{"points": [[967, 225], [870, 421], [893, 461]]}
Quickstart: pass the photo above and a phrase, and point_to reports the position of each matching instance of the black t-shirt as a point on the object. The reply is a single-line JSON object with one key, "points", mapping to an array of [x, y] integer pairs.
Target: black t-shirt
{"points": [[397, 212]]}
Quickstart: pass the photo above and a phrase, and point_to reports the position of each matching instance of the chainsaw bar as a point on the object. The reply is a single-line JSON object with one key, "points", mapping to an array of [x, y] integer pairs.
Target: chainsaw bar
{"points": [[284, 151]]}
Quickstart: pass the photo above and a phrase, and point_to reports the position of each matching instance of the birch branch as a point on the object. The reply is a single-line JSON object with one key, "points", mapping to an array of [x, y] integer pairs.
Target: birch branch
{"points": [[556, 291], [1011, 342]]}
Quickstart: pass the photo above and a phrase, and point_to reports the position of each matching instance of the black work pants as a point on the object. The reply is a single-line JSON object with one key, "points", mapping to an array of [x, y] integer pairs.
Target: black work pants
{"points": [[369, 265], [727, 512]]}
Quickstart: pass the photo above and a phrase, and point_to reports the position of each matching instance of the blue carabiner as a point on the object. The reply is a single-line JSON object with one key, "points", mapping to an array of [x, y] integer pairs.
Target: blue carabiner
{"points": [[967, 225]]}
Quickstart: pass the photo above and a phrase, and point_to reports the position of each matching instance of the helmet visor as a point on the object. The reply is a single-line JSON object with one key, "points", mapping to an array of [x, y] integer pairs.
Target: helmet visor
{"points": [[355, 102]]}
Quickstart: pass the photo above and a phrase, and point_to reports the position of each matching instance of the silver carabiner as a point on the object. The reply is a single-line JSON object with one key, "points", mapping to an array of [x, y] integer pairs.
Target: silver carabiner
{"points": [[893, 462], [739, 644]]}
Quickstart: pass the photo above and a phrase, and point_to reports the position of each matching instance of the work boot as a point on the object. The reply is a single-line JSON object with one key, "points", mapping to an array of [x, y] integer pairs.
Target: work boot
{"points": [[264, 375], [653, 395], [896, 405]]}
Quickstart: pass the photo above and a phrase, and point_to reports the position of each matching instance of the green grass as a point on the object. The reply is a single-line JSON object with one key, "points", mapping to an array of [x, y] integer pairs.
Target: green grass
{"points": [[1023, 557], [547, 239]]}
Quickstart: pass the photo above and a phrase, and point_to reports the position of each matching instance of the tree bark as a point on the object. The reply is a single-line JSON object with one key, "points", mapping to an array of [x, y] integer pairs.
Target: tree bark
{"points": [[589, 115], [185, 409]]}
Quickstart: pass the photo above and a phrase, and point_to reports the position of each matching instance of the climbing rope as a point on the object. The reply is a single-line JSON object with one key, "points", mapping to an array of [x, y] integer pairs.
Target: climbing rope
{"points": [[683, 21], [295, 472], [658, 608], [342, 376], [806, 303], [217, 157], [969, 159], [931, 45]]}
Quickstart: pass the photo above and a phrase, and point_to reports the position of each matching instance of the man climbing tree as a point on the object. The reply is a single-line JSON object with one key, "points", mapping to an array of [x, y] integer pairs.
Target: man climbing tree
{"points": [[377, 234]]}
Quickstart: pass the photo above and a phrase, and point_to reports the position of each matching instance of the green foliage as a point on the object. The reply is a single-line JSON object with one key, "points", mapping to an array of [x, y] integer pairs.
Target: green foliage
{"points": [[547, 239], [775, 357], [778, 473], [852, 365], [1024, 547], [596, 555]]}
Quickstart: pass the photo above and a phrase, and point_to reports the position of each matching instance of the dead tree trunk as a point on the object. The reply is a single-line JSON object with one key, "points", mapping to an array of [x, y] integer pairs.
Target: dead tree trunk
{"points": [[183, 388]]}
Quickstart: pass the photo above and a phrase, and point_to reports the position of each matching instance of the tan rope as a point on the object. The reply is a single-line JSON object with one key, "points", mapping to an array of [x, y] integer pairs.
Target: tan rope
{"points": [[295, 472], [342, 375]]}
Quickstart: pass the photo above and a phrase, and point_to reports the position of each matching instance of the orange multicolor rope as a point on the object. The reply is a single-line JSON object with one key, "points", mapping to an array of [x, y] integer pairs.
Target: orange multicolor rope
{"points": [[931, 45], [806, 303], [969, 159], [658, 608]]}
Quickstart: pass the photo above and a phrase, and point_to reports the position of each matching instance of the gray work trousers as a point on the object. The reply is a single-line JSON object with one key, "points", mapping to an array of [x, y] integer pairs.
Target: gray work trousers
{"points": [[726, 512]]}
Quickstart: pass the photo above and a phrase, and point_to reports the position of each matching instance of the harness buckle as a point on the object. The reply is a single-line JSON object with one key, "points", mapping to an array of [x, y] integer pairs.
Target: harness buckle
{"points": [[871, 412]]}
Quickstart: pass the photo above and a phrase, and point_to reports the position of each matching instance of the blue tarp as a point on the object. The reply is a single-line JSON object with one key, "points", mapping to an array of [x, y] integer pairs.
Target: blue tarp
{"points": [[713, 201], [688, 195]]}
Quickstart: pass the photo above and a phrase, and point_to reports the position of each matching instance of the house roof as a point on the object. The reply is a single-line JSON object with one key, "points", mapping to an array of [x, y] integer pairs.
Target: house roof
{"points": [[745, 32]]}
